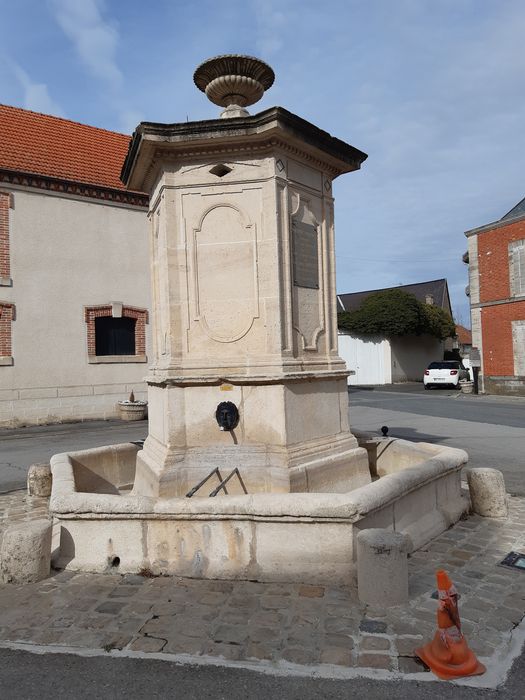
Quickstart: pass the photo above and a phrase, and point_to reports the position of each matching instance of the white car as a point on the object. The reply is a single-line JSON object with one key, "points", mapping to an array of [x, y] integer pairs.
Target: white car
{"points": [[446, 372]]}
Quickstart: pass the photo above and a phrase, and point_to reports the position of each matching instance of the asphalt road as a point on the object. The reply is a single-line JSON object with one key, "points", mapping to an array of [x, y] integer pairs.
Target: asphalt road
{"points": [[22, 447], [25, 676], [490, 428]]}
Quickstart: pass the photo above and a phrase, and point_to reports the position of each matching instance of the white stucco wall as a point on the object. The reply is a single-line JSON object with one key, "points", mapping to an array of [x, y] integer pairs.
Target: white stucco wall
{"points": [[68, 253], [412, 354]]}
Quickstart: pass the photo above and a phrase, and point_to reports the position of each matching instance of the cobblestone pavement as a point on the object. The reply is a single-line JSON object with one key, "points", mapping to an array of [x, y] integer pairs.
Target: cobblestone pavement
{"points": [[302, 624]]}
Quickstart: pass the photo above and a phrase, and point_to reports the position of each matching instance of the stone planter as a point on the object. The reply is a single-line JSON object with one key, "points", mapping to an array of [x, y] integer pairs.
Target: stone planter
{"points": [[467, 387], [132, 410]]}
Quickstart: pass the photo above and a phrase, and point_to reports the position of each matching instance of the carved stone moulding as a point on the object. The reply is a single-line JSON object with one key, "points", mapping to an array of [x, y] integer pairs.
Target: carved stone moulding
{"points": [[234, 82]]}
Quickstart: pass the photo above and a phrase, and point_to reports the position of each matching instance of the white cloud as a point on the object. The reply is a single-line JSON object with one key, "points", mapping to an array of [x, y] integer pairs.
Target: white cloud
{"points": [[36, 95], [95, 40]]}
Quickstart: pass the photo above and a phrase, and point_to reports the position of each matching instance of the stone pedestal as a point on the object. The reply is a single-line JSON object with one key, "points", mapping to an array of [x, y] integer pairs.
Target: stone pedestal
{"points": [[487, 492], [244, 304], [25, 552], [39, 480], [382, 568]]}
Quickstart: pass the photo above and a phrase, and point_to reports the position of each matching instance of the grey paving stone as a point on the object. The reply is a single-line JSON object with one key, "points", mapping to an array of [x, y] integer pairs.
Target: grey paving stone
{"points": [[338, 641], [374, 644], [258, 650], [264, 634], [220, 586], [337, 656], [373, 626], [230, 634], [269, 618], [282, 589], [406, 645], [148, 644], [375, 661], [244, 601], [340, 625], [181, 644], [123, 592], [134, 580], [110, 608], [513, 615], [300, 655], [411, 665], [273, 602], [346, 611]]}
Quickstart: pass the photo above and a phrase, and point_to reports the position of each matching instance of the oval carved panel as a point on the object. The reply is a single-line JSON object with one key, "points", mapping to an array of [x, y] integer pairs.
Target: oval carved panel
{"points": [[225, 263]]}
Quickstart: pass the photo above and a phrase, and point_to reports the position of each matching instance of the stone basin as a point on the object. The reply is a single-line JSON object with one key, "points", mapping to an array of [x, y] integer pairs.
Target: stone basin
{"points": [[415, 488]]}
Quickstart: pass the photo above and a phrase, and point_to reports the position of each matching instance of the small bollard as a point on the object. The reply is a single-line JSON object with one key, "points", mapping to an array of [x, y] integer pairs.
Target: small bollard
{"points": [[39, 480], [487, 492], [25, 552], [382, 567]]}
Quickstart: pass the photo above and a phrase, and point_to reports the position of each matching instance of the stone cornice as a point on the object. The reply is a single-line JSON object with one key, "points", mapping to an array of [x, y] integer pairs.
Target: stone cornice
{"points": [[240, 148], [168, 378], [275, 127], [498, 302], [494, 225], [71, 187]]}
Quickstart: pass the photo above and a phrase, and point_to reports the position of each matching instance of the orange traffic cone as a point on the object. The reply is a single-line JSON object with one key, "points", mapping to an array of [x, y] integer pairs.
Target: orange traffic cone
{"points": [[448, 655]]}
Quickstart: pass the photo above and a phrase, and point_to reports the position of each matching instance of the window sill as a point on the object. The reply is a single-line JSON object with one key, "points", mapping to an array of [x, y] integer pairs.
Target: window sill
{"points": [[6, 281], [6, 361], [114, 359]]}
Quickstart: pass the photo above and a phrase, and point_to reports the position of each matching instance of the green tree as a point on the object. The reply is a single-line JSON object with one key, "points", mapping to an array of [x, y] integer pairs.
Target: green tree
{"points": [[395, 312], [438, 321]]}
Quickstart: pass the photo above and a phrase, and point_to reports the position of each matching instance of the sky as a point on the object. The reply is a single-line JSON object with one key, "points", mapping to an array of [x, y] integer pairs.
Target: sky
{"points": [[432, 90]]}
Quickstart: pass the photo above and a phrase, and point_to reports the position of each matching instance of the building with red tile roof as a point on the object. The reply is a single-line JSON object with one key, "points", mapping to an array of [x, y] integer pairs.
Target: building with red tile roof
{"points": [[74, 277], [464, 335], [55, 153]]}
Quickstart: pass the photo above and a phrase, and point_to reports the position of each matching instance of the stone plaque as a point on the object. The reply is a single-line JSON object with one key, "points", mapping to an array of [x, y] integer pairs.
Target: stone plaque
{"points": [[305, 255]]}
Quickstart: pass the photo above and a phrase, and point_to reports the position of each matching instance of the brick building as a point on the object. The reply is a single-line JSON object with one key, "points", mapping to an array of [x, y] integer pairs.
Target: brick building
{"points": [[74, 273], [496, 259]]}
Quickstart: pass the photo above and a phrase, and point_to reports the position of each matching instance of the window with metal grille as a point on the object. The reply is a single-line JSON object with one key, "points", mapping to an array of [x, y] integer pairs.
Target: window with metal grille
{"points": [[116, 333], [517, 268]]}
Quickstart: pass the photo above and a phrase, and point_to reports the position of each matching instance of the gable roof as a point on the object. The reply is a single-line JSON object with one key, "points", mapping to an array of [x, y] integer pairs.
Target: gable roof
{"points": [[518, 210], [437, 289], [40, 144]]}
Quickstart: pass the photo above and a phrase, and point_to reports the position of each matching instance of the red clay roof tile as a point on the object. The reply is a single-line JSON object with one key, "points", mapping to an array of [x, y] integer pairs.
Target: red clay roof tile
{"points": [[41, 144], [464, 335]]}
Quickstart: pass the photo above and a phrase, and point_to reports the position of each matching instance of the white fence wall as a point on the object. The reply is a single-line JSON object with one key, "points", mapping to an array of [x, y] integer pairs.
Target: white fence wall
{"points": [[369, 357]]}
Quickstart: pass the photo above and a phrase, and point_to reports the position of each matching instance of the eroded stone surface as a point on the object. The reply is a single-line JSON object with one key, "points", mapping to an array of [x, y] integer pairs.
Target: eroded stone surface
{"points": [[487, 492], [25, 551], [39, 480], [271, 622], [382, 567]]}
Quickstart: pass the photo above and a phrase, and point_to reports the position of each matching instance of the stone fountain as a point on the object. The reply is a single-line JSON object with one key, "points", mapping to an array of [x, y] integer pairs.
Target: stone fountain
{"points": [[247, 393]]}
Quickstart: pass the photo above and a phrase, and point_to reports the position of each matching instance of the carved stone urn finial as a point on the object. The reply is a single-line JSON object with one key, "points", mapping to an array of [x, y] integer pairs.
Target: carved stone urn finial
{"points": [[234, 82]]}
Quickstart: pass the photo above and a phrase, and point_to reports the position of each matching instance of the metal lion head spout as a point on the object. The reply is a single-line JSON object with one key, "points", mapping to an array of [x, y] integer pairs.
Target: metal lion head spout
{"points": [[234, 82]]}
